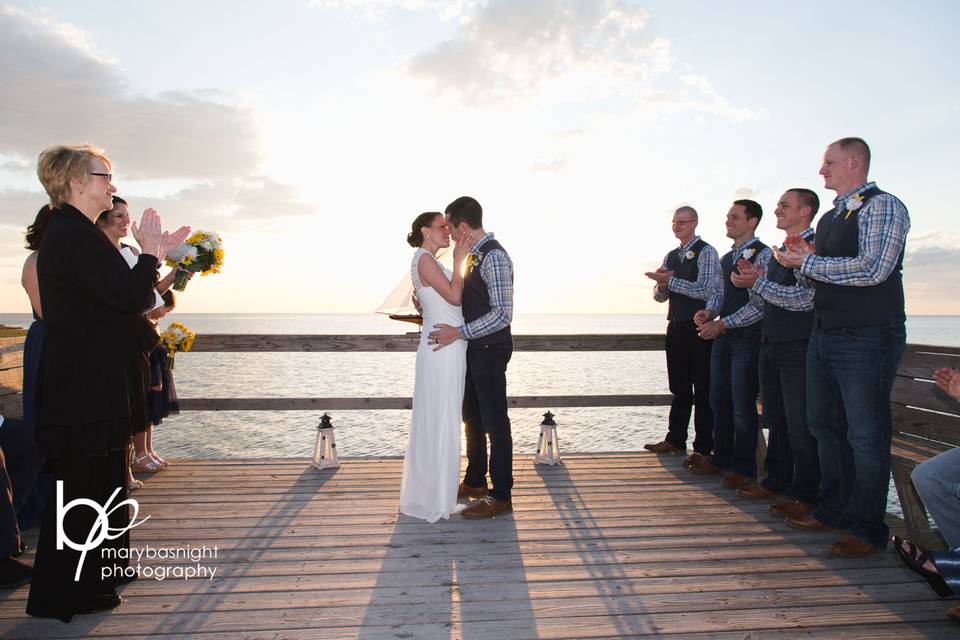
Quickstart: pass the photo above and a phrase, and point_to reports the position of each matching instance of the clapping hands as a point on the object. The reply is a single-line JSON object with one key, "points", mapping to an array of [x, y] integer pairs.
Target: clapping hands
{"points": [[151, 237], [661, 276], [749, 274], [794, 252]]}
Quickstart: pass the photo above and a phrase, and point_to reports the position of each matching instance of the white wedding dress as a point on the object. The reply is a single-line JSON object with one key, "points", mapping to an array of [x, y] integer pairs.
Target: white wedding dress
{"points": [[431, 466]]}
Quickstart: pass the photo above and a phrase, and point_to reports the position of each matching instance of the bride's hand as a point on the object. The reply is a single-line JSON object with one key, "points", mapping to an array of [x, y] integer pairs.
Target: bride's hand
{"points": [[462, 249]]}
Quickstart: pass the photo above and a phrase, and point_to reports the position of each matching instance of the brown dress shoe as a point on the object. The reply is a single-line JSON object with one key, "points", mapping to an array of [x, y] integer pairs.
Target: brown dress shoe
{"points": [[954, 612], [735, 481], [791, 509], [705, 469], [755, 490], [487, 507], [664, 447], [694, 459], [807, 522], [463, 491], [852, 547]]}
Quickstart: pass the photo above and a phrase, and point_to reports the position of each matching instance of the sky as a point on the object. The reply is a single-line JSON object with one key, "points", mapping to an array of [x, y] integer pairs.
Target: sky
{"points": [[310, 133]]}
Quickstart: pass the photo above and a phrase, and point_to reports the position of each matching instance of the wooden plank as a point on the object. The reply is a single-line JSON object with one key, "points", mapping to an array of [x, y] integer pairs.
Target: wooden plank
{"points": [[932, 348], [926, 424], [11, 352], [915, 364], [409, 342], [925, 395], [11, 380], [597, 548], [11, 405], [345, 404]]}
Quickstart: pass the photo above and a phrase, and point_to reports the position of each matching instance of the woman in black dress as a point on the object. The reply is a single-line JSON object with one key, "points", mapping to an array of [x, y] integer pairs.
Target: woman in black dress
{"points": [[87, 292]]}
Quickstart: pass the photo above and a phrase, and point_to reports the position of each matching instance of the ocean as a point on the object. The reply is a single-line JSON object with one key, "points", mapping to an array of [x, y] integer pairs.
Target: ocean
{"points": [[244, 434]]}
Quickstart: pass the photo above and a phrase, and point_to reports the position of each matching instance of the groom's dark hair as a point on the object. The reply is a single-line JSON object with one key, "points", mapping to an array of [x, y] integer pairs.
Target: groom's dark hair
{"points": [[465, 209]]}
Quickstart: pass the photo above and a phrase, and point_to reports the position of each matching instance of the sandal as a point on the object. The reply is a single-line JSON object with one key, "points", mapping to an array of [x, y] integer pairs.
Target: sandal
{"points": [[134, 484], [163, 463], [915, 558], [145, 464]]}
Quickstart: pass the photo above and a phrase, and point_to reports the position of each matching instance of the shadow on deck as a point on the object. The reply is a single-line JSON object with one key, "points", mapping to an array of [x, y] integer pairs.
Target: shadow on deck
{"points": [[603, 545]]}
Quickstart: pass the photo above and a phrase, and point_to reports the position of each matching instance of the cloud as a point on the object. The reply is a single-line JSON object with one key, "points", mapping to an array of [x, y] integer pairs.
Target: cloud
{"points": [[603, 52], [504, 49], [59, 89], [927, 290], [228, 204], [377, 9], [18, 207], [552, 166]]}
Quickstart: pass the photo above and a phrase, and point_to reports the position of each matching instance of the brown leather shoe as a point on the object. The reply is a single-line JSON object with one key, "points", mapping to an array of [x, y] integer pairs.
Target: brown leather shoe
{"points": [[694, 459], [791, 509], [705, 469], [463, 491], [754, 490], [807, 523], [664, 447], [852, 547], [954, 612], [735, 481], [487, 507]]}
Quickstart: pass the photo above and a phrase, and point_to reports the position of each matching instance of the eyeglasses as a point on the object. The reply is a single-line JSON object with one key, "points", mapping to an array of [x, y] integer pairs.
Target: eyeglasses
{"points": [[108, 176]]}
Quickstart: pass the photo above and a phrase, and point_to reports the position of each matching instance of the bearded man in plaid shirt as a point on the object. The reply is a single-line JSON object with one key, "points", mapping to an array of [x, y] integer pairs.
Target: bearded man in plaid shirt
{"points": [[856, 344]]}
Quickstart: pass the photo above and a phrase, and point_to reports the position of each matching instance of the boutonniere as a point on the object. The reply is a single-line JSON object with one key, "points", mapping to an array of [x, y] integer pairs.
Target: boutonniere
{"points": [[473, 260], [748, 253], [690, 255], [853, 203]]}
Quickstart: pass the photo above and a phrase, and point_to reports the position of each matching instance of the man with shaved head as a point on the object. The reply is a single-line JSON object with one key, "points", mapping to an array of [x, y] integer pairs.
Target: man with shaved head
{"points": [[857, 340]]}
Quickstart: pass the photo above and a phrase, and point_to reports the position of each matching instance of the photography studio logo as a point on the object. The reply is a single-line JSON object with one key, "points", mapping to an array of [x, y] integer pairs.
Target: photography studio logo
{"points": [[101, 529], [182, 563]]}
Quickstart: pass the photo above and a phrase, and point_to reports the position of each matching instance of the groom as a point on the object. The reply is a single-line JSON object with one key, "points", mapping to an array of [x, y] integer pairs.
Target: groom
{"points": [[487, 312]]}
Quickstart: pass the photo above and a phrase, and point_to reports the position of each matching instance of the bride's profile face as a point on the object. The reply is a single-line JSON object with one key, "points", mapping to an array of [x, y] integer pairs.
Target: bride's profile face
{"points": [[438, 233]]}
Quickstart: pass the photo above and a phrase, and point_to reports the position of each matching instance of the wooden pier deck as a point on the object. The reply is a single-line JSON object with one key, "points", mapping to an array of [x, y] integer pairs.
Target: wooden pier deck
{"points": [[603, 545]]}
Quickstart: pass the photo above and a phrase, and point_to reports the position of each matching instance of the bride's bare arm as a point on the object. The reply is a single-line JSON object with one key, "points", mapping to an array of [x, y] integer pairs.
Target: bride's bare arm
{"points": [[431, 275]]}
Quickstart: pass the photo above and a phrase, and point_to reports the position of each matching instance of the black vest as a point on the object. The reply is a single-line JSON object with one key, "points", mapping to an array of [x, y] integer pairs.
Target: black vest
{"points": [[779, 324], [837, 306], [476, 298], [733, 296], [680, 307]]}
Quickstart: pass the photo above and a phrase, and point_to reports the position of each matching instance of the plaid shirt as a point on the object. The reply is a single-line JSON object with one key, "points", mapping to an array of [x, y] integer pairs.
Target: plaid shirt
{"points": [[709, 283], [883, 224], [497, 272], [752, 312], [798, 297]]}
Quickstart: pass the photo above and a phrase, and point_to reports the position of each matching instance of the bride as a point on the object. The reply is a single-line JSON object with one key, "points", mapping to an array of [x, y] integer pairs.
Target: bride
{"points": [[431, 467]]}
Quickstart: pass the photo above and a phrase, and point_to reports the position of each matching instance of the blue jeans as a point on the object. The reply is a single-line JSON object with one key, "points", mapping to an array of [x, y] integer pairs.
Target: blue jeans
{"points": [[733, 398], [850, 373], [938, 482], [792, 463]]}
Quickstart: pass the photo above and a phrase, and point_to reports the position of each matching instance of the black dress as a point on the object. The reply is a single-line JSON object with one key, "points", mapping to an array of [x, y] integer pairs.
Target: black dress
{"points": [[88, 294], [162, 403]]}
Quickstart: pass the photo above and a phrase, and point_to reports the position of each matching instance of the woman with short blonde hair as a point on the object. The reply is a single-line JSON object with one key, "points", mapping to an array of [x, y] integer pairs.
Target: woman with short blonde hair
{"points": [[88, 294]]}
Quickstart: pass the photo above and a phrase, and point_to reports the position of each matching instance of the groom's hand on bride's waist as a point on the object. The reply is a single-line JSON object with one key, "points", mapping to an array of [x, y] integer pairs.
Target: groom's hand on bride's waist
{"points": [[442, 335]]}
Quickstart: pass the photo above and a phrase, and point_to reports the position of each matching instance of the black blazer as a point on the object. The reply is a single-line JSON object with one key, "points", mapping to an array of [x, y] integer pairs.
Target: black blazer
{"points": [[88, 295]]}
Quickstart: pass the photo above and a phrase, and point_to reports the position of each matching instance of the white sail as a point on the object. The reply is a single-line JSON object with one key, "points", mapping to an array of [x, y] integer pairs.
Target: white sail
{"points": [[400, 300]]}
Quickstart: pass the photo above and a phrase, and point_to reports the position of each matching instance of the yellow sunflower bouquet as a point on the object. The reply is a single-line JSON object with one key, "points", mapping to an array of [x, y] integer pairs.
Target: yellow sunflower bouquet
{"points": [[177, 337], [202, 253]]}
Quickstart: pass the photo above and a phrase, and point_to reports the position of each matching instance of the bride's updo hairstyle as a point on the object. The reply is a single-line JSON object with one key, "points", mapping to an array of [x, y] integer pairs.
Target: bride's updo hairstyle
{"points": [[415, 237]]}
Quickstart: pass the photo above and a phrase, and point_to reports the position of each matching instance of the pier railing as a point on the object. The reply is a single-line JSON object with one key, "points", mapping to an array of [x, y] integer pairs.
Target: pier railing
{"points": [[264, 343]]}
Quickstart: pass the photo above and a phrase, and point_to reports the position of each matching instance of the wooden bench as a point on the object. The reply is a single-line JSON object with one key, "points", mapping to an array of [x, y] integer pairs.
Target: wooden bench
{"points": [[926, 422], [11, 377]]}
